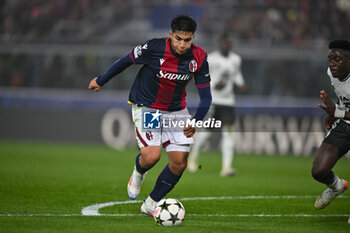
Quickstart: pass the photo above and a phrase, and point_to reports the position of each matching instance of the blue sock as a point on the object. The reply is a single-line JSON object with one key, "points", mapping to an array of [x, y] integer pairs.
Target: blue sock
{"points": [[140, 169], [165, 183]]}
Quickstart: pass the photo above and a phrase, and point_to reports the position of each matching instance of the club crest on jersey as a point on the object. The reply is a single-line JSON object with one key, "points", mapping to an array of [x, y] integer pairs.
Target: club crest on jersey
{"points": [[193, 66], [149, 135]]}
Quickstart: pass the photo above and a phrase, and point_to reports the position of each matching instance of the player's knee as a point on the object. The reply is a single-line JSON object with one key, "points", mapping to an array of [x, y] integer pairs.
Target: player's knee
{"points": [[179, 166], [150, 156], [150, 160], [318, 173], [182, 166]]}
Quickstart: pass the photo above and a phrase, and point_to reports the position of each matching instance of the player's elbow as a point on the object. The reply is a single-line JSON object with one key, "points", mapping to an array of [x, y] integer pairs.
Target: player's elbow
{"points": [[210, 99], [207, 99]]}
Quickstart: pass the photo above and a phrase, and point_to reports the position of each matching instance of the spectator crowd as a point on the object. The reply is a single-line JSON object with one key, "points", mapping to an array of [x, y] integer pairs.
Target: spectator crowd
{"points": [[263, 23]]}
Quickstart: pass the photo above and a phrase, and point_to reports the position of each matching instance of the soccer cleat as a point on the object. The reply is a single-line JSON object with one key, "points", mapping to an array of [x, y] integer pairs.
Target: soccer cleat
{"points": [[148, 207], [328, 195], [135, 182], [228, 172], [192, 166]]}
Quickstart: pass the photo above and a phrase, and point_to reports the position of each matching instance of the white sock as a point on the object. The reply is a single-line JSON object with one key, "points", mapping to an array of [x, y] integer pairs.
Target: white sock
{"points": [[150, 201], [337, 184], [137, 175], [227, 146], [199, 140]]}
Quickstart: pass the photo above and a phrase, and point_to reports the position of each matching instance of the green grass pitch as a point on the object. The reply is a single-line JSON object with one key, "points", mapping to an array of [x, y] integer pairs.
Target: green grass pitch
{"points": [[45, 186]]}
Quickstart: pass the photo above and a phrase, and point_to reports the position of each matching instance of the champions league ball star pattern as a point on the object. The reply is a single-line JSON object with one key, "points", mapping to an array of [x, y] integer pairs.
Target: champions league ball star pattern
{"points": [[169, 212]]}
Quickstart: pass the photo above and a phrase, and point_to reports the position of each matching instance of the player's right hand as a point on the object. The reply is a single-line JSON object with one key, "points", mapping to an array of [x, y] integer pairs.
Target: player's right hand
{"points": [[220, 85], [329, 105], [93, 85]]}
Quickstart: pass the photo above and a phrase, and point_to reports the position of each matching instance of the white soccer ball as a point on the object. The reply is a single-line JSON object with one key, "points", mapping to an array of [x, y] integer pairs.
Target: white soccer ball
{"points": [[169, 212]]}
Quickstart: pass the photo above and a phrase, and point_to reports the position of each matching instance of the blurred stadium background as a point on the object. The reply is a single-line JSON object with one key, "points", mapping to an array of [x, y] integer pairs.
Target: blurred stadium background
{"points": [[50, 50]]}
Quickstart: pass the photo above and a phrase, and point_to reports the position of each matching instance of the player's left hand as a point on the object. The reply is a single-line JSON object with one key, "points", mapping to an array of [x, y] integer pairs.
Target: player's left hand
{"points": [[243, 88], [189, 131], [328, 122], [329, 105]]}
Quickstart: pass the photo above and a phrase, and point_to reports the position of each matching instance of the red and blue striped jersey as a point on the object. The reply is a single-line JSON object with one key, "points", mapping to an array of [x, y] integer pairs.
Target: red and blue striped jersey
{"points": [[161, 82]]}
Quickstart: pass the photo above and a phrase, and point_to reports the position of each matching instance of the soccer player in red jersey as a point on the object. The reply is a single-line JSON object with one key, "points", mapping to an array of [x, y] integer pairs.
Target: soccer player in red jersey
{"points": [[158, 98]]}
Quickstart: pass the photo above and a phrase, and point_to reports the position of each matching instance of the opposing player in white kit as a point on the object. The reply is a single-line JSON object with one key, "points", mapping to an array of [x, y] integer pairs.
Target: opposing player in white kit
{"points": [[337, 140], [225, 70]]}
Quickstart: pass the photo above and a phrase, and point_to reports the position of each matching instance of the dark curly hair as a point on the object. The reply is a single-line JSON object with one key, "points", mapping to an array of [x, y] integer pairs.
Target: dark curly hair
{"points": [[340, 44]]}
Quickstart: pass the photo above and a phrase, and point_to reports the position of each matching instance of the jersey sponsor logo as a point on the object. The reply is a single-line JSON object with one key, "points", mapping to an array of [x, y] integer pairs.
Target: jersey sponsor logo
{"points": [[193, 66], [173, 76], [137, 51], [161, 60], [145, 46]]}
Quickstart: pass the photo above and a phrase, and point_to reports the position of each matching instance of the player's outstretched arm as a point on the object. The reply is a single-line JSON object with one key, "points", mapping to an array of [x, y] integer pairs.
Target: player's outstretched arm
{"points": [[331, 108], [329, 105], [93, 85], [117, 67]]}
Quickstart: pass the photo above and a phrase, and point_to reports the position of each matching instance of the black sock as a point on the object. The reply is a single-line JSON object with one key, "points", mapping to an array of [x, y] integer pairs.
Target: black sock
{"points": [[165, 183], [138, 166]]}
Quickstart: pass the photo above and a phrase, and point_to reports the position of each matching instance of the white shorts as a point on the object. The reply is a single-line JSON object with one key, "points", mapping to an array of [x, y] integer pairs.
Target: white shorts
{"points": [[161, 128]]}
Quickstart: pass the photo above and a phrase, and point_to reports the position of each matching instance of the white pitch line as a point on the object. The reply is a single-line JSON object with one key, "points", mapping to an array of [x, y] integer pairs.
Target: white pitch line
{"points": [[67, 215], [254, 197], [93, 210], [269, 215], [246, 197], [190, 215], [39, 215]]}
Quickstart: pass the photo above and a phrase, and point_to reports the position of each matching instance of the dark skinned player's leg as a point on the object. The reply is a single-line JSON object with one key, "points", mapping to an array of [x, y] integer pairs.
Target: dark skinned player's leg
{"points": [[326, 157]]}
